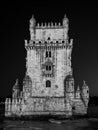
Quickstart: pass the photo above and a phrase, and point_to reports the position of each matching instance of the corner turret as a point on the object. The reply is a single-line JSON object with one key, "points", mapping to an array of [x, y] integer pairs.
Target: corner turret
{"points": [[16, 90], [27, 86], [32, 27], [66, 26], [85, 93]]}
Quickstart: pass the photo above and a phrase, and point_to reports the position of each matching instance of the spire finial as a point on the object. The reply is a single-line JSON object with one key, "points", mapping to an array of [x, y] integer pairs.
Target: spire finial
{"points": [[16, 86], [32, 21], [16, 82], [84, 82], [65, 21], [41, 24], [51, 24], [55, 24], [48, 25], [38, 25], [45, 24], [59, 24], [78, 88]]}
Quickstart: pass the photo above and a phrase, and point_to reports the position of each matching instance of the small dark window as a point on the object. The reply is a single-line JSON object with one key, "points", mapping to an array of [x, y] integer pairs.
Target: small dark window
{"points": [[48, 83], [73, 108], [49, 53], [46, 53], [48, 38]]}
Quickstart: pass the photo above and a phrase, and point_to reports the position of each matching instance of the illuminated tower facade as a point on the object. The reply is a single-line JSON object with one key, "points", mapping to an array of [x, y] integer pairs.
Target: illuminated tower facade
{"points": [[48, 86], [48, 58]]}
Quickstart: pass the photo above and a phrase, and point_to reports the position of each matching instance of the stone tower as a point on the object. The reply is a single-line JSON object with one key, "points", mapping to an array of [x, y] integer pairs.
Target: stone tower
{"points": [[48, 86], [48, 58]]}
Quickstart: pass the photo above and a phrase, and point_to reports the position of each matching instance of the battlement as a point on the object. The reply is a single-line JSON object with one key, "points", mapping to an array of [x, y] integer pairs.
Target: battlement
{"points": [[49, 44], [49, 25]]}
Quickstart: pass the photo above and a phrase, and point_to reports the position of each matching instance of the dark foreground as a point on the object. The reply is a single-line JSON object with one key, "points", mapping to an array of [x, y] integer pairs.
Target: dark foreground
{"points": [[76, 124], [88, 122]]}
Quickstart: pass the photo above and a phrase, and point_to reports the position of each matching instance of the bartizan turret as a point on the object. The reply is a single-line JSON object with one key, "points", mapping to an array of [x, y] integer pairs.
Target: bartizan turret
{"points": [[85, 93], [16, 90]]}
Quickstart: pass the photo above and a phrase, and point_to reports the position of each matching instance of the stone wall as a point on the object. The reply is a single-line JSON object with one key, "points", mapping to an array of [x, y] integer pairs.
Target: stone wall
{"points": [[55, 33], [80, 107], [44, 105], [36, 61]]}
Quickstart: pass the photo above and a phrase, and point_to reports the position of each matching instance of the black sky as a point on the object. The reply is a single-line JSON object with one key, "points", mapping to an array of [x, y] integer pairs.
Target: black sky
{"points": [[14, 29]]}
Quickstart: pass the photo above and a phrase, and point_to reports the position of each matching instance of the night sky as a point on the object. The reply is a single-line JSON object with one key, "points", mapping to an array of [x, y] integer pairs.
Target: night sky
{"points": [[14, 29]]}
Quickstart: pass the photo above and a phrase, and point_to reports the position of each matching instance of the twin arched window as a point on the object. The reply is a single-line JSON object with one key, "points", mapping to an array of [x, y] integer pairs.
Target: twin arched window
{"points": [[48, 53], [48, 67]]}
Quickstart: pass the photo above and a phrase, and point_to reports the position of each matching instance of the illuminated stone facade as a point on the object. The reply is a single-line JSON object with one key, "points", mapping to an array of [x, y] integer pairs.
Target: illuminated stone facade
{"points": [[48, 86]]}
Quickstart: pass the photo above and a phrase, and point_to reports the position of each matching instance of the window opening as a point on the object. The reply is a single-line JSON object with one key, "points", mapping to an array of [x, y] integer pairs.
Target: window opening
{"points": [[48, 83], [46, 53], [46, 67], [49, 67], [49, 53]]}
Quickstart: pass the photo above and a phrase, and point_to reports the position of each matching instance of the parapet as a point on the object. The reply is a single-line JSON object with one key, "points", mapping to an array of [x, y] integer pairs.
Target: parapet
{"points": [[46, 31], [48, 25]]}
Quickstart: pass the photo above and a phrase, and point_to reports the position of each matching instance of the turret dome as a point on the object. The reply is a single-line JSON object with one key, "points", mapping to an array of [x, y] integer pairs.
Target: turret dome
{"points": [[69, 78]]}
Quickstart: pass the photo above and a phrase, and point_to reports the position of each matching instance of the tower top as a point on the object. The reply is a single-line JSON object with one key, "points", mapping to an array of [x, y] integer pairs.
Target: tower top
{"points": [[32, 22], [52, 31], [49, 25]]}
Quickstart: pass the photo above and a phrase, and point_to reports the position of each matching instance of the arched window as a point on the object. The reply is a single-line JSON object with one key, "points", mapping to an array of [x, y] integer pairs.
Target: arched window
{"points": [[48, 38], [48, 83], [48, 67], [48, 53]]}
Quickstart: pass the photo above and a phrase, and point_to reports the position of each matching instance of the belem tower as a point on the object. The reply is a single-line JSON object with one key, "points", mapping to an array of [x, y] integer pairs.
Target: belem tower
{"points": [[48, 85]]}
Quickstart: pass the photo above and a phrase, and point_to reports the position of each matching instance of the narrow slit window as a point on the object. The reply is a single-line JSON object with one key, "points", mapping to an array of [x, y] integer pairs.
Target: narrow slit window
{"points": [[49, 53], [46, 67], [46, 53]]}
